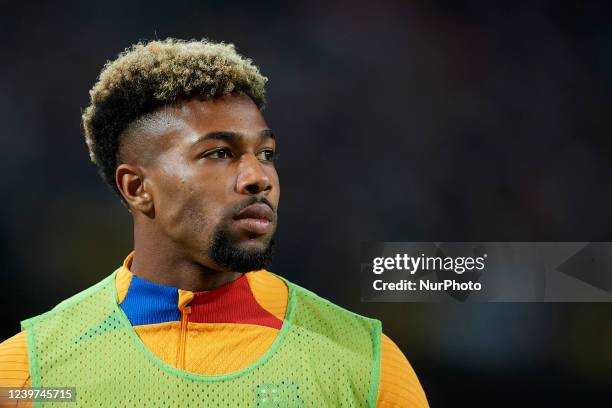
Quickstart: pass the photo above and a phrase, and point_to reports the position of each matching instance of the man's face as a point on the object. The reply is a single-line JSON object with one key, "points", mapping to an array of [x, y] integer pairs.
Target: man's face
{"points": [[213, 182]]}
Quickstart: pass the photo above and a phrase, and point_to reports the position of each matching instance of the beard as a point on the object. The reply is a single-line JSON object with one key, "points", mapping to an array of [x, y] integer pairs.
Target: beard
{"points": [[227, 253]]}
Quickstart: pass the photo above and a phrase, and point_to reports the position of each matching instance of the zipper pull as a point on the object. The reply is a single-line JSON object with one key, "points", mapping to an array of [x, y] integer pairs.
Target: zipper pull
{"points": [[182, 338]]}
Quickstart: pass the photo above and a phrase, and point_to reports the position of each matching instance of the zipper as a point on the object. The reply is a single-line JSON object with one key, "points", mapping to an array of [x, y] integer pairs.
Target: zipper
{"points": [[182, 340]]}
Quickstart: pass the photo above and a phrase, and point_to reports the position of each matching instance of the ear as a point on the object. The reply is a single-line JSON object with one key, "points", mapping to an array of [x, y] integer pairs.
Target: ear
{"points": [[130, 181]]}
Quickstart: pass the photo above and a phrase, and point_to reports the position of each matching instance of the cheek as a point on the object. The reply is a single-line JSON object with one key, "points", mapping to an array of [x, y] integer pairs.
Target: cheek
{"points": [[185, 215], [276, 185], [174, 196], [191, 200], [190, 208]]}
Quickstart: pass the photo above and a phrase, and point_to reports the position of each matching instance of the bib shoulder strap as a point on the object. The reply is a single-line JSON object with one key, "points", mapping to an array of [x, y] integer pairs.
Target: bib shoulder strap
{"points": [[104, 285]]}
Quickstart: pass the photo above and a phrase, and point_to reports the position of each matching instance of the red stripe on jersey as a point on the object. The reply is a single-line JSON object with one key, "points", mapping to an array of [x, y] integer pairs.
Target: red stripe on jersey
{"points": [[231, 303]]}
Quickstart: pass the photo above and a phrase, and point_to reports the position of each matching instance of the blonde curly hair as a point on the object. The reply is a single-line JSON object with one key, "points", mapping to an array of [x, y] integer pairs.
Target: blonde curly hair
{"points": [[147, 76]]}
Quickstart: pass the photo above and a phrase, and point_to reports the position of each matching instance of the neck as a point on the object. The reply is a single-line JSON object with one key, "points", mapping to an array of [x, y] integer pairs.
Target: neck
{"points": [[161, 261]]}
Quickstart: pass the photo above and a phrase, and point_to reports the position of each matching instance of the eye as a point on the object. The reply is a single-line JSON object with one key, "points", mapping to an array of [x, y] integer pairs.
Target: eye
{"points": [[219, 154], [266, 155]]}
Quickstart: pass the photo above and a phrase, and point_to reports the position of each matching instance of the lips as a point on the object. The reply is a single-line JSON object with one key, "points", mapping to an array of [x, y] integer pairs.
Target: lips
{"points": [[256, 218], [256, 211]]}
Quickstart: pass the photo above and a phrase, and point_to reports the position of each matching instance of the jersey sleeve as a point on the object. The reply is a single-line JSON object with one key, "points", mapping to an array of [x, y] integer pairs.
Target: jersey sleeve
{"points": [[14, 367], [399, 385]]}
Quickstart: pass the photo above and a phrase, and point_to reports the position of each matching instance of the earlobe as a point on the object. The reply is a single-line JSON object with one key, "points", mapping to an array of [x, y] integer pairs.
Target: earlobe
{"points": [[146, 205], [132, 184], [143, 196]]}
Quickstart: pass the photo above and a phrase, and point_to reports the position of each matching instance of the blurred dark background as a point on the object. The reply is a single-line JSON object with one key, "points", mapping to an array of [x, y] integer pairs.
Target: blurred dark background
{"points": [[397, 121]]}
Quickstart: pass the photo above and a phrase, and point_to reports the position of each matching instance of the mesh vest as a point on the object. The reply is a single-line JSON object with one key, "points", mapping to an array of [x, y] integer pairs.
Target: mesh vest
{"points": [[323, 356]]}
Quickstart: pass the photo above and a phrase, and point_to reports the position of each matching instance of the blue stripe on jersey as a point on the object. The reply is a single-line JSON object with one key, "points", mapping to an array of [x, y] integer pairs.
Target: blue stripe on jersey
{"points": [[149, 303]]}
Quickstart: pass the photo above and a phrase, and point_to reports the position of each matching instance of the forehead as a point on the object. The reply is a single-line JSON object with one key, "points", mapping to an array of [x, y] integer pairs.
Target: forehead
{"points": [[230, 113], [180, 125]]}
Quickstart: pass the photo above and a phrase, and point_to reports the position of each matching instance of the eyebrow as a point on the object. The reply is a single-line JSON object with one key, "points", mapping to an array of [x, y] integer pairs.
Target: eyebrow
{"points": [[232, 137]]}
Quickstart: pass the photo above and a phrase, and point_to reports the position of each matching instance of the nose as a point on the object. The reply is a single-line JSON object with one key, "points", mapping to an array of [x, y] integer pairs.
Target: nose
{"points": [[252, 177]]}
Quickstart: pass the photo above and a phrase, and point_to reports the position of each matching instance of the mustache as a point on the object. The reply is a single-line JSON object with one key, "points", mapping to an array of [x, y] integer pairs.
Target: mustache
{"points": [[251, 201]]}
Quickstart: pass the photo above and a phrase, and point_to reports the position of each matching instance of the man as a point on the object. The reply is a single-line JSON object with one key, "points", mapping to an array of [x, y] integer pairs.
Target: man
{"points": [[192, 318]]}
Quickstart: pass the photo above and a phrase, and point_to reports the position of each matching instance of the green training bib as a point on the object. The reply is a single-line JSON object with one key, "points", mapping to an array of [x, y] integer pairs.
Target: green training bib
{"points": [[323, 356]]}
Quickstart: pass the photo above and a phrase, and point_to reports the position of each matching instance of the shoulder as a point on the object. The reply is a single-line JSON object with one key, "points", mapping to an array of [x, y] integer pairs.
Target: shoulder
{"points": [[399, 384], [102, 287], [269, 291], [308, 299], [272, 292], [14, 368]]}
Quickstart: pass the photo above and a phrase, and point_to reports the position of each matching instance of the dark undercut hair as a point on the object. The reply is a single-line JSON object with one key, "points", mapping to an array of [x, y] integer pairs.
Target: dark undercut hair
{"points": [[147, 76]]}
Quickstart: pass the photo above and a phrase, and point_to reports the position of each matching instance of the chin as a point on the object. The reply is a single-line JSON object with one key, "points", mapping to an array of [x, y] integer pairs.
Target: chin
{"points": [[259, 244], [241, 255]]}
